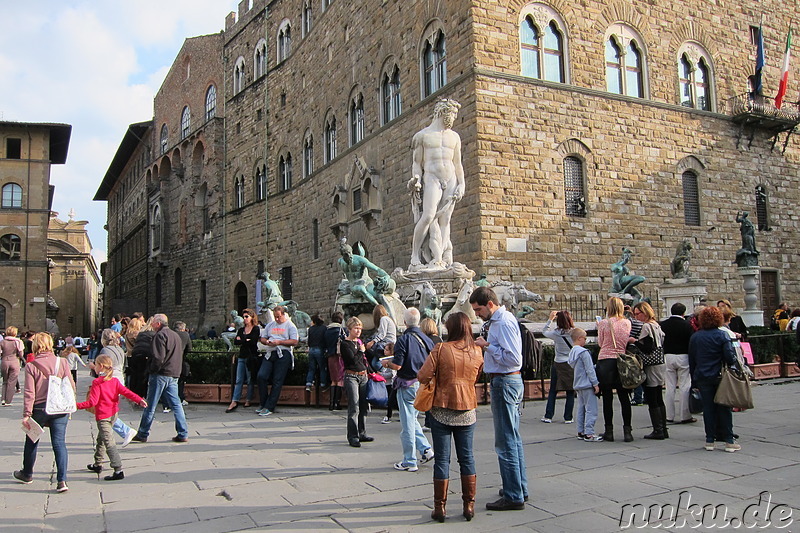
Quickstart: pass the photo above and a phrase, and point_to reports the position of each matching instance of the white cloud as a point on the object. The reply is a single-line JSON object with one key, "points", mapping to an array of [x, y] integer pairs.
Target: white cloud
{"points": [[96, 66]]}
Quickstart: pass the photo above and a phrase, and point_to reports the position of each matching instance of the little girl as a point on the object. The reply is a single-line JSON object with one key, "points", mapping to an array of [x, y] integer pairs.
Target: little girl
{"points": [[104, 397], [72, 355], [389, 374]]}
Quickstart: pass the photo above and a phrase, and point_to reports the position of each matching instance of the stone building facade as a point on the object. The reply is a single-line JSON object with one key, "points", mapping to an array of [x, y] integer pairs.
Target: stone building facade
{"points": [[74, 279], [27, 151], [585, 128]]}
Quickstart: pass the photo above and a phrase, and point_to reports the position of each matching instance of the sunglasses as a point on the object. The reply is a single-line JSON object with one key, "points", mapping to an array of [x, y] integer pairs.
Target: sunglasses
{"points": [[245, 315]]}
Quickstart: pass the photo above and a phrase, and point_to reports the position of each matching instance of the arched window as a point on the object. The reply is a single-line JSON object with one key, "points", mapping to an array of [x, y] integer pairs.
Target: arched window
{"points": [[634, 85], [211, 102], [164, 139], [694, 77], [308, 156], [308, 21], [157, 228], [691, 199], [261, 184], [574, 188], [238, 76], [330, 139], [356, 119], [186, 122], [390, 95], [178, 286], [539, 48], [238, 192], [762, 208], [434, 64], [285, 172], [284, 41], [613, 66], [10, 246], [12, 196], [260, 58], [625, 66]]}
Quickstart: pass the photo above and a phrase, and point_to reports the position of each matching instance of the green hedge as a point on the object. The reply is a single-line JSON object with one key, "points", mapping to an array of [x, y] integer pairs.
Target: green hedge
{"points": [[214, 366], [766, 344]]}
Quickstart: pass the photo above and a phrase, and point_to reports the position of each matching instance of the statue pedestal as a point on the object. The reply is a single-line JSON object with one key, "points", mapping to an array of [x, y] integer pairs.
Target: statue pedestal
{"points": [[686, 291], [752, 315], [445, 281]]}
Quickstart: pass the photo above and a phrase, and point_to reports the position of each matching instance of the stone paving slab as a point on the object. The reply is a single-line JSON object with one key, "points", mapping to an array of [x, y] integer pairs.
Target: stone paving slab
{"points": [[294, 471]]}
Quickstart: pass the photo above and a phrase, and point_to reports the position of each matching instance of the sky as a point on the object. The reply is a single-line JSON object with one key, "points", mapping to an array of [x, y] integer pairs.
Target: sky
{"points": [[96, 65]]}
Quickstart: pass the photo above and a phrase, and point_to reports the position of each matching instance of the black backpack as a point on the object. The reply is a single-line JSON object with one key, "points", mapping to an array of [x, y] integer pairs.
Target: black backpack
{"points": [[531, 353]]}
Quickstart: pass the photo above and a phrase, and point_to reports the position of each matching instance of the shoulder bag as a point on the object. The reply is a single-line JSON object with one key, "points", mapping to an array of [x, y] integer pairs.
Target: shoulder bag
{"points": [[377, 394], [734, 389], [60, 394], [629, 366], [424, 399], [656, 357]]}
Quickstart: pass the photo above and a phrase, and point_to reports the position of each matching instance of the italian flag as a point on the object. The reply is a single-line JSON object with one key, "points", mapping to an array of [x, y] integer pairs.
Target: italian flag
{"points": [[785, 74]]}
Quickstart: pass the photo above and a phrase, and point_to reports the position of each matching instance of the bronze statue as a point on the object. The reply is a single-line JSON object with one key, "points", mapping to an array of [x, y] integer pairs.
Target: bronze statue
{"points": [[679, 267], [622, 281], [747, 255]]}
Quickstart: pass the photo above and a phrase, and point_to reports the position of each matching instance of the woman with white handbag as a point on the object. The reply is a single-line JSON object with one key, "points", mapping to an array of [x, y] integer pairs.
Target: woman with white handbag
{"points": [[45, 371]]}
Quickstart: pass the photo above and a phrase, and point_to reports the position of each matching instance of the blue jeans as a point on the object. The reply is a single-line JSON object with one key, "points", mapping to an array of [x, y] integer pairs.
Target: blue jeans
{"points": [[550, 408], [58, 434], [356, 387], [717, 419], [317, 360], [506, 400], [164, 388], [462, 436], [120, 427], [411, 436], [275, 368], [638, 394], [587, 411], [242, 374]]}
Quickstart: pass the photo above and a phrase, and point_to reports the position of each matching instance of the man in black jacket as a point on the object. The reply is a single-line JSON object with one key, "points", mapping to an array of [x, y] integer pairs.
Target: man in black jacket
{"points": [[677, 331], [165, 369]]}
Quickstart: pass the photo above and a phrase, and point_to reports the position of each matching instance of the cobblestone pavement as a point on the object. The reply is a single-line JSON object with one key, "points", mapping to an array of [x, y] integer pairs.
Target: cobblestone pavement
{"points": [[294, 471]]}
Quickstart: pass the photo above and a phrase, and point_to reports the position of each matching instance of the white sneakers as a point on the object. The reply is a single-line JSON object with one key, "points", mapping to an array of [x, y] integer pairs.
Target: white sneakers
{"points": [[399, 466], [386, 420], [427, 455], [128, 438], [547, 420]]}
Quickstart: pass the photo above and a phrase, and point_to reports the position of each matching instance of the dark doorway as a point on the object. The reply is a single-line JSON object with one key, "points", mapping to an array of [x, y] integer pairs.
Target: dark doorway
{"points": [[769, 293], [240, 296]]}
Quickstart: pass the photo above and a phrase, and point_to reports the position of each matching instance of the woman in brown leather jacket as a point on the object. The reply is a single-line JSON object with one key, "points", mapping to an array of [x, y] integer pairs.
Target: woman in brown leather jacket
{"points": [[456, 365]]}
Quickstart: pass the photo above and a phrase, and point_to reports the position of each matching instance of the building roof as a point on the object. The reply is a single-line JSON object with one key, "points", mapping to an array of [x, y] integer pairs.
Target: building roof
{"points": [[131, 139], [59, 137]]}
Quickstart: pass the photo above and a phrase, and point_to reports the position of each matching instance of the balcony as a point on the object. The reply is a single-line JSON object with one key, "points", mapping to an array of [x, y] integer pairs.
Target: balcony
{"points": [[759, 113]]}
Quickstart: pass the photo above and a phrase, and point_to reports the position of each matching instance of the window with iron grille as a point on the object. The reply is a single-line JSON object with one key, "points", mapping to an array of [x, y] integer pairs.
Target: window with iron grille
{"points": [[691, 199], [357, 200], [315, 238], [178, 286], [286, 283], [574, 193], [201, 304], [762, 211]]}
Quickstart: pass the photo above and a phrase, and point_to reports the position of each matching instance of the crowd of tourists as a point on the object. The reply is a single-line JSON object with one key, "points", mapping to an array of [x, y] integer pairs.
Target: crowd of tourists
{"points": [[150, 356]]}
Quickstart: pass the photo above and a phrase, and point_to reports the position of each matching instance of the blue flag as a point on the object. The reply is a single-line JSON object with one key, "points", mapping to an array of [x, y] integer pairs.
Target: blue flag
{"points": [[757, 87]]}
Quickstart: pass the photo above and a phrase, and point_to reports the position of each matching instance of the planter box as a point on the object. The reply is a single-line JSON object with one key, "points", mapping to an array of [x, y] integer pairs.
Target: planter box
{"points": [[199, 392], [790, 370], [534, 390], [767, 371]]}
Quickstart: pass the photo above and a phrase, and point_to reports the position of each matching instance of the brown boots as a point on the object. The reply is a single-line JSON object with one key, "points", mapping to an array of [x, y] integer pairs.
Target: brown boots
{"points": [[468, 487], [440, 487]]}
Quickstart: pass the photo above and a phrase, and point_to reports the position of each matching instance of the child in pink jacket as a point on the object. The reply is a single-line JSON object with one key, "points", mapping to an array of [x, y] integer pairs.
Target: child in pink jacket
{"points": [[104, 398]]}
